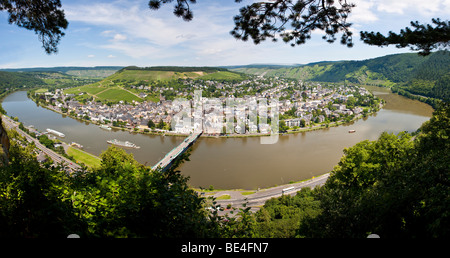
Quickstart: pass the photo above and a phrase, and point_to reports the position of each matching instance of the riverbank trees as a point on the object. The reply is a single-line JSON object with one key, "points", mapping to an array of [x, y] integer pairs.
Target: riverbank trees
{"points": [[122, 198], [396, 187]]}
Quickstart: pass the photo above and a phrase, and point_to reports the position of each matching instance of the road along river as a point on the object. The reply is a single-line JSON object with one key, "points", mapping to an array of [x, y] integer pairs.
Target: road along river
{"points": [[237, 163]]}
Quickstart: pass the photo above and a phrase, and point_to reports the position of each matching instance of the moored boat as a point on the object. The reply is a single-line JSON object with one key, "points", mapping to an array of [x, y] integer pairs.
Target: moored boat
{"points": [[55, 132], [105, 127], [351, 131], [123, 143], [77, 145]]}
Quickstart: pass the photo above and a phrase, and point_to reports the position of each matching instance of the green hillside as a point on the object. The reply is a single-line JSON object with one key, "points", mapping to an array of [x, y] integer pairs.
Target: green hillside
{"points": [[166, 73], [83, 72], [12, 80], [56, 77], [427, 76], [143, 75], [149, 83]]}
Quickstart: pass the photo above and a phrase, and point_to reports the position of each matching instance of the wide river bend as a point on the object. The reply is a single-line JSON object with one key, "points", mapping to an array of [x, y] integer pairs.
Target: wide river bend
{"points": [[238, 163]]}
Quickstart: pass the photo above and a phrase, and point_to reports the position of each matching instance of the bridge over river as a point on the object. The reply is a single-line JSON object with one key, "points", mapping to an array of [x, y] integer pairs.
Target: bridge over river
{"points": [[167, 161]]}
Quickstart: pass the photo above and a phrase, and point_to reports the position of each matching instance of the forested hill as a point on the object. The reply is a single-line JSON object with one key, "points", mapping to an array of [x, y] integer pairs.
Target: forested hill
{"points": [[179, 69], [428, 76], [168, 73], [11, 80], [60, 77], [87, 72]]}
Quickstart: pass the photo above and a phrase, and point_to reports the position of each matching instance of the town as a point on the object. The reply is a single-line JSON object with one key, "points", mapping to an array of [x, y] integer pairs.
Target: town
{"points": [[299, 105]]}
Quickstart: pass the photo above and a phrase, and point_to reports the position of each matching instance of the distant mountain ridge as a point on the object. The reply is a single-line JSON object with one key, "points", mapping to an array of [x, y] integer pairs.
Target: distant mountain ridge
{"points": [[427, 76], [62, 69], [405, 73]]}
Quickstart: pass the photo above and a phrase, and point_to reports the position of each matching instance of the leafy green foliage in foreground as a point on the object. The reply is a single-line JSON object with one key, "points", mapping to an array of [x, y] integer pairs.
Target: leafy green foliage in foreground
{"points": [[396, 187], [120, 199]]}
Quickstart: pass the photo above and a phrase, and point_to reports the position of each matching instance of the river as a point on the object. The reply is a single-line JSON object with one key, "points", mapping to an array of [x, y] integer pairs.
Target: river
{"points": [[237, 163]]}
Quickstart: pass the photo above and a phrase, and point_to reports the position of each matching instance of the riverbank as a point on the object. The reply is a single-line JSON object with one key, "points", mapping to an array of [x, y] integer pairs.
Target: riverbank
{"points": [[145, 131], [256, 199], [235, 195], [241, 193], [239, 163]]}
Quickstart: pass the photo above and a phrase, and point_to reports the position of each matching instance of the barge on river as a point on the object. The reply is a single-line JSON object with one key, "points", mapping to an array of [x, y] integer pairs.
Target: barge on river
{"points": [[55, 132], [126, 144]]}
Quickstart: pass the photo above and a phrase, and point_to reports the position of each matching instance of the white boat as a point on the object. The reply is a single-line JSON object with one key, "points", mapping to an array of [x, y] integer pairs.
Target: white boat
{"points": [[123, 143], [77, 145], [105, 127], [55, 132]]}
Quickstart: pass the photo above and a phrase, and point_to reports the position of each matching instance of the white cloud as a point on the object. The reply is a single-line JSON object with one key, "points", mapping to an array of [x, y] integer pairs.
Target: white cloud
{"points": [[129, 28], [425, 8], [91, 56], [132, 20], [119, 37], [363, 12], [141, 33], [368, 11]]}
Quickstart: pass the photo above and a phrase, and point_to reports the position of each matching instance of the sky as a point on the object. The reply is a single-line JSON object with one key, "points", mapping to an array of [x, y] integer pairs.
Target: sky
{"points": [[127, 32]]}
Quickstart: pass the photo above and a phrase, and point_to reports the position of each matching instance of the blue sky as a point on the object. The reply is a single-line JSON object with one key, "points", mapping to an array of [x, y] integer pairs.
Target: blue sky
{"points": [[127, 32]]}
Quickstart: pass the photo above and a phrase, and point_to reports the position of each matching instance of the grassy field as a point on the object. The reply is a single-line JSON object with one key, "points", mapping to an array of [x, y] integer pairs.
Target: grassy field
{"points": [[84, 157], [41, 90], [116, 87], [222, 75], [91, 89], [139, 75], [101, 73], [113, 94], [142, 75], [117, 94]]}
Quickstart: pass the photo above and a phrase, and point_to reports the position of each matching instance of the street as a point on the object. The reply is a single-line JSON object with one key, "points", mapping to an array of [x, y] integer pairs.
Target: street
{"points": [[260, 197], [8, 122]]}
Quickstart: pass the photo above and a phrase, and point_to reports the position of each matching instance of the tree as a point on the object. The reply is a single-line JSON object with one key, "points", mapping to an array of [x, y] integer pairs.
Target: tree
{"points": [[123, 198], [34, 199], [161, 124], [292, 21], [46, 141], [351, 101], [302, 123], [343, 199], [279, 217], [283, 127], [151, 124], [395, 187], [424, 37], [43, 16]]}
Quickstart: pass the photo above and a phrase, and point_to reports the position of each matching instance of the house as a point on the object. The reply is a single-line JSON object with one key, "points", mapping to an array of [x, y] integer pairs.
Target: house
{"points": [[320, 119], [264, 128], [357, 110], [292, 122], [239, 129], [41, 158], [142, 95]]}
